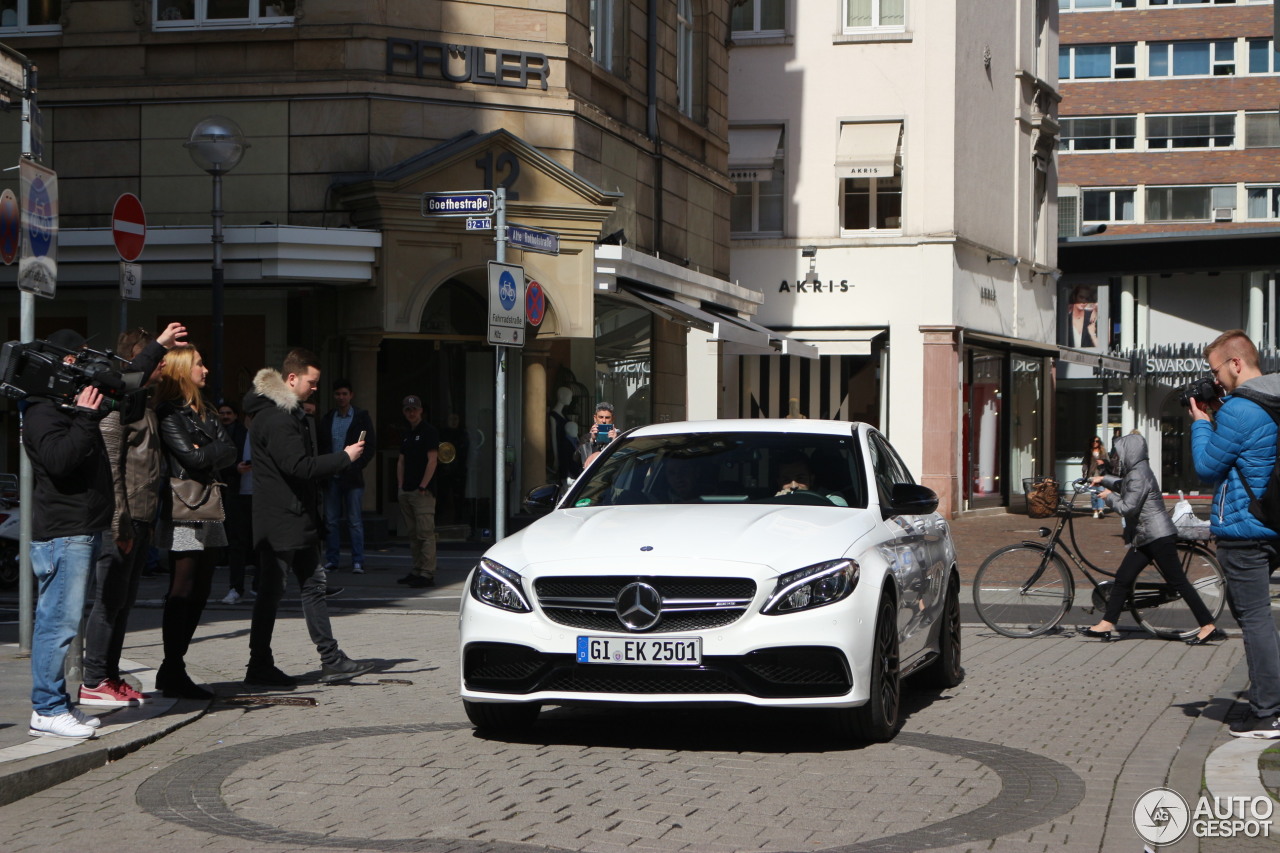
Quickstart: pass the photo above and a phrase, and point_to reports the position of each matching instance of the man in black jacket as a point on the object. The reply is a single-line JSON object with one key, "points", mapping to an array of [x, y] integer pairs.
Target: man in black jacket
{"points": [[344, 494], [286, 516]]}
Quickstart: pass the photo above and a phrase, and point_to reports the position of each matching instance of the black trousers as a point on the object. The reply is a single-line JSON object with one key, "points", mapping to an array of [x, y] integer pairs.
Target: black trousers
{"points": [[115, 589], [274, 568], [1164, 553]]}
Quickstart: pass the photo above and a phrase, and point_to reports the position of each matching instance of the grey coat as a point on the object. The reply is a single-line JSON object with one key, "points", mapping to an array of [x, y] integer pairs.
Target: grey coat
{"points": [[1135, 493]]}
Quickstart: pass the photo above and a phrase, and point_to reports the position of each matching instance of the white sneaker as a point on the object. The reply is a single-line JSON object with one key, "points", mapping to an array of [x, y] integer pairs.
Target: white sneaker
{"points": [[86, 719], [231, 597], [357, 569], [59, 725]]}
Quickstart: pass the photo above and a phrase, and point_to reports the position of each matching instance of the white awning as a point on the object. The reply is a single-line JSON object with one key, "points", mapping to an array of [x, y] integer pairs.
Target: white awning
{"points": [[868, 149], [785, 345], [839, 341], [690, 315], [752, 151]]}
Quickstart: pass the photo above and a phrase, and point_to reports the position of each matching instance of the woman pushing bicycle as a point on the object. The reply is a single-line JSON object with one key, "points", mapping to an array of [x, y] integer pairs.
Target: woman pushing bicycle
{"points": [[1133, 491]]}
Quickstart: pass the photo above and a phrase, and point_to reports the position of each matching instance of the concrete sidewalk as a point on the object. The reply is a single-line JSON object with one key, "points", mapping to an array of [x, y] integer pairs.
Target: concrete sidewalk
{"points": [[1184, 746]]}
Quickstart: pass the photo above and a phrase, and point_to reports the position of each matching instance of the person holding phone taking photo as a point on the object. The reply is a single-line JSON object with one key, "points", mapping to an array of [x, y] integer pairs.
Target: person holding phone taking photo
{"points": [[603, 431]]}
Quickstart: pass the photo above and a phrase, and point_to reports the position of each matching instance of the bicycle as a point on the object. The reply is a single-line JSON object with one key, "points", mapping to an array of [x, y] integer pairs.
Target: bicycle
{"points": [[1025, 589]]}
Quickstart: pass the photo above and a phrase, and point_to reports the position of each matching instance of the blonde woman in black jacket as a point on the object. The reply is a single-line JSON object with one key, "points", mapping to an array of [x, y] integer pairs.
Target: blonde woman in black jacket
{"points": [[196, 447]]}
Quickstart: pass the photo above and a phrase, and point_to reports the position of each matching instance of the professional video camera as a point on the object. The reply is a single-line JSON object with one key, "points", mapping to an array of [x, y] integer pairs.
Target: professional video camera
{"points": [[38, 369], [1204, 391]]}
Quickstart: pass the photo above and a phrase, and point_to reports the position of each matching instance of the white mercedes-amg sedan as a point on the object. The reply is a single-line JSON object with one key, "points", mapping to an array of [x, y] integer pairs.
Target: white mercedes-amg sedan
{"points": [[783, 563]]}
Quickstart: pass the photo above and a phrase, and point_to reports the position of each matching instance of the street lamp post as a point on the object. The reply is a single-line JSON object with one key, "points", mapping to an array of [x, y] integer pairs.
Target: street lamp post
{"points": [[216, 145]]}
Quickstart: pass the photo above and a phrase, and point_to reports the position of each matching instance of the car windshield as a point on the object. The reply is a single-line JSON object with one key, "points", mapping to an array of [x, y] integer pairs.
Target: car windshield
{"points": [[727, 467]]}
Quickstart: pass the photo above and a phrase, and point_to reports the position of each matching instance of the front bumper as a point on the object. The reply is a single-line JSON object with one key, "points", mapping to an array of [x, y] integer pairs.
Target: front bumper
{"points": [[783, 673]]}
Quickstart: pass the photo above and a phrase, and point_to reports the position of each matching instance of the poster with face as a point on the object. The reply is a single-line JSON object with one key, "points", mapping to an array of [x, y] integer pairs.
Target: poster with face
{"points": [[1083, 318]]}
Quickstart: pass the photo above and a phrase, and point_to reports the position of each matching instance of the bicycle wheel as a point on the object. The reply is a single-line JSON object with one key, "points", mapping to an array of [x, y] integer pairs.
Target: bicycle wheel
{"points": [[1159, 608], [1022, 590]]}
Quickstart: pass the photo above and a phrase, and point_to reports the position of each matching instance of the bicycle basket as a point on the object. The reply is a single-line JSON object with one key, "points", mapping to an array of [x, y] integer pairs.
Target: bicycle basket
{"points": [[1042, 496]]}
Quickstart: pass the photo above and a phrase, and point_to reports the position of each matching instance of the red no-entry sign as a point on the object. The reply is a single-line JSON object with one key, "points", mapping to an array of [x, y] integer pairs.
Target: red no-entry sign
{"points": [[128, 227]]}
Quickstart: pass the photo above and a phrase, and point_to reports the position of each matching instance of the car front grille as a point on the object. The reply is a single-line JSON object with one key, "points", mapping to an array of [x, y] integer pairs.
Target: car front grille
{"points": [[688, 604], [789, 672]]}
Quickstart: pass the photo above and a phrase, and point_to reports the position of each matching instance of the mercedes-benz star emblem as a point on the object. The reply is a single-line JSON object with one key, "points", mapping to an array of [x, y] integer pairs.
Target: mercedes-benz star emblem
{"points": [[639, 606]]}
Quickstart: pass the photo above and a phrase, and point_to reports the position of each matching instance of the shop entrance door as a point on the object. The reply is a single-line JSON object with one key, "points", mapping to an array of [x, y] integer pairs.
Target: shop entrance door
{"points": [[454, 379]]}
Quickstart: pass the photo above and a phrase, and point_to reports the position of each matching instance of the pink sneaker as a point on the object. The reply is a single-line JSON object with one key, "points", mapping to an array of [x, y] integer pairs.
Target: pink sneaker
{"points": [[107, 694], [127, 689]]}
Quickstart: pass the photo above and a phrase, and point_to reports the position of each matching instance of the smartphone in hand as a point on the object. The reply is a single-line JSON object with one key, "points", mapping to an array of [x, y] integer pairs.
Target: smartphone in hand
{"points": [[361, 438]]}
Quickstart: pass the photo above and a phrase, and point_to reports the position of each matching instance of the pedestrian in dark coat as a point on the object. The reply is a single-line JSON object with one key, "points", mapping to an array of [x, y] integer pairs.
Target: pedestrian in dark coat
{"points": [[286, 516]]}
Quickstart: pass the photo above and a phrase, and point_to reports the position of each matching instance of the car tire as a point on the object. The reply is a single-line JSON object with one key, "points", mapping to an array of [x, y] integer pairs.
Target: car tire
{"points": [[880, 718], [501, 716], [946, 671]]}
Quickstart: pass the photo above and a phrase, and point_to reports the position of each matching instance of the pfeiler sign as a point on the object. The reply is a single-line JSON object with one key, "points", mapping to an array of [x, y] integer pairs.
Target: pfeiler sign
{"points": [[467, 63]]}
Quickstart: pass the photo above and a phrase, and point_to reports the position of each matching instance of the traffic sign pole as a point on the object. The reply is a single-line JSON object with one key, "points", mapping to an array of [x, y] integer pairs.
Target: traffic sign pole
{"points": [[500, 393]]}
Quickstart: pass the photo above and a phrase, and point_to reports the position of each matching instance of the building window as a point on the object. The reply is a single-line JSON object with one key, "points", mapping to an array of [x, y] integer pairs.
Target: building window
{"points": [[1180, 204], [1264, 202], [1191, 131], [872, 204], [1097, 62], [1113, 205], [1192, 58], [863, 15], [1082, 5], [684, 56], [1262, 57], [756, 167], [183, 14], [602, 32], [1115, 133], [759, 18], [1185, 2], [869, 165], [30, 16], [1262, 130]]}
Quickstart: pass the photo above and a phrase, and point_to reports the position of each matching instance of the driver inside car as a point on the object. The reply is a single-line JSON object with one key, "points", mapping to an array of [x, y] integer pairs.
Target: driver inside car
{"points": [[795, 475]]}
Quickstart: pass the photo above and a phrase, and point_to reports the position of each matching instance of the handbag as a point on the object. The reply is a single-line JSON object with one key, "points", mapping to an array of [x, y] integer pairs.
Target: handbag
{"points": [[195, 502], [1042, 496]]}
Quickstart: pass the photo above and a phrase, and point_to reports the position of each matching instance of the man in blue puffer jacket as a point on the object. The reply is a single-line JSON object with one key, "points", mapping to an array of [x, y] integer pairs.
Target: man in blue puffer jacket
{"points": [[1241, 441]]}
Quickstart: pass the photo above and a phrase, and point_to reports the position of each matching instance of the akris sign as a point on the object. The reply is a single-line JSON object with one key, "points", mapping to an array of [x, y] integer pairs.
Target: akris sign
{"points": [[841, 286]]}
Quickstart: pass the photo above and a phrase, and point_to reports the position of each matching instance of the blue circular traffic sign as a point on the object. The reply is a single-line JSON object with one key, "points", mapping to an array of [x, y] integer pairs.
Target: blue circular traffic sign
{"points": [[39, 218], [507, 290]]}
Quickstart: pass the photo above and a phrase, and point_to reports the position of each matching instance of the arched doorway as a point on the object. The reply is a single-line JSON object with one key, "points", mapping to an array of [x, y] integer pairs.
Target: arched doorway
{"points": [[449, 365]]}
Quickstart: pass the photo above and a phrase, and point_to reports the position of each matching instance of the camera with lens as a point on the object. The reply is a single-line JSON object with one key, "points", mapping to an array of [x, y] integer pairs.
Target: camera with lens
{"points": [[41, 369], [1204, 391]]}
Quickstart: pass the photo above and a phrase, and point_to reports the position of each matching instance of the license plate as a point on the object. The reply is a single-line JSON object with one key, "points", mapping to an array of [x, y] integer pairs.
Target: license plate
{"points": [[651, 651]]}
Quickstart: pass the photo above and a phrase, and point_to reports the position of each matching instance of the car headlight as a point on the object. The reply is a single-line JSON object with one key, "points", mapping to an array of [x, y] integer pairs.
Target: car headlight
{"points": [[498, 586], [815, 586]]}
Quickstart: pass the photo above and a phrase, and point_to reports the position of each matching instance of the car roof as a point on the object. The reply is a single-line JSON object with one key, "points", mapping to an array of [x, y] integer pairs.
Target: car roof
{"points": [[774, 425]]}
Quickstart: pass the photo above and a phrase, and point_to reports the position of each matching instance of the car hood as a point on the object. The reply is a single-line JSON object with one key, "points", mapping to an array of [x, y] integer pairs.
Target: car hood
{"points": [[613, 538]]}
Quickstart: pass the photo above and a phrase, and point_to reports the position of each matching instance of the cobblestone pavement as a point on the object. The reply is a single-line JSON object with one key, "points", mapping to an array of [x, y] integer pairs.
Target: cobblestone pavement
{"points": [[1046, 746]]}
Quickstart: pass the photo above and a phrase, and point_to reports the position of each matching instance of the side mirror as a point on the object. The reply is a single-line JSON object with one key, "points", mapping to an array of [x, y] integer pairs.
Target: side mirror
{"points": [[543, 499], [911, 499]]}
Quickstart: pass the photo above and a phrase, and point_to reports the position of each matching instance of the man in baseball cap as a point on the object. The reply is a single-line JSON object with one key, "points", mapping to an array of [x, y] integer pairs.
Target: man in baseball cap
{"points": [[415, 470]]}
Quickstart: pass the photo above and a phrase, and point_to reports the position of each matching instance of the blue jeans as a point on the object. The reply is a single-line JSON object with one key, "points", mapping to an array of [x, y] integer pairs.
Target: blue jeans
{"points": [[63, 568], [1247, 566], [339, 500]]}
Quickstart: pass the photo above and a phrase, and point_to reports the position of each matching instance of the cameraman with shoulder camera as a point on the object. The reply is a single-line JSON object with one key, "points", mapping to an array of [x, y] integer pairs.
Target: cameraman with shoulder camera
{"points": [[1240, 442], [74, 501]]}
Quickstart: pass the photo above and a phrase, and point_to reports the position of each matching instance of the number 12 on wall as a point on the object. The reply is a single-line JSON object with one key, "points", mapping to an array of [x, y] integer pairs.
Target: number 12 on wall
{"points": [[506, 163]]}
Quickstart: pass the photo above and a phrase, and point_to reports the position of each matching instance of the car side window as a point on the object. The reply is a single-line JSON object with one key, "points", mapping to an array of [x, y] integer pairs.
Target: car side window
{"points": [[888, 466]]}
